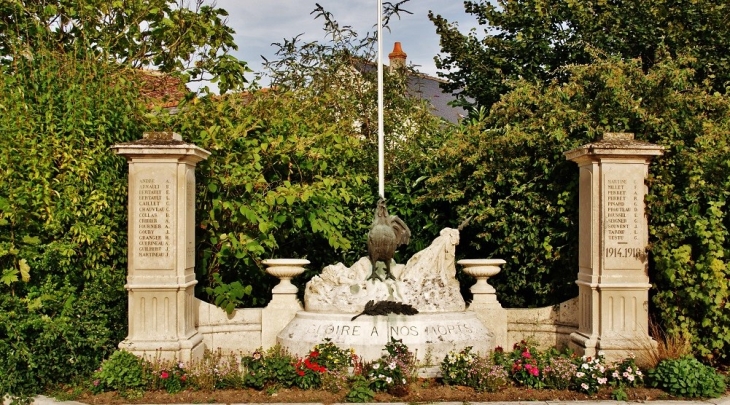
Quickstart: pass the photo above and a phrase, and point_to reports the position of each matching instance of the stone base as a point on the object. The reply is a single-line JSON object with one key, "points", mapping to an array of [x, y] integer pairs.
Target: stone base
{"points": [[493, 317], [614, 348], [430, 336], [185, 350]]}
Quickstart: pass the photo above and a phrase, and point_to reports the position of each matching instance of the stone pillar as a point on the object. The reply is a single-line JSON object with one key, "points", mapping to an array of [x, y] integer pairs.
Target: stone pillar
{"points": [[284, 303], [484, 298], [161, 247], [613, 283]]}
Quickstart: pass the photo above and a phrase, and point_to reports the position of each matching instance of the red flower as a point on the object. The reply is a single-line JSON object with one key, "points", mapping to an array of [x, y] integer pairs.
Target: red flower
{"points": [[314, 353], [164, 375], [301, 373], [184, 378]]}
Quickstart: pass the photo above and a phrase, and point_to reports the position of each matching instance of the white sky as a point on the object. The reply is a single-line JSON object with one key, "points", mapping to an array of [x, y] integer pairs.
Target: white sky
{"points": [[258, 23]]}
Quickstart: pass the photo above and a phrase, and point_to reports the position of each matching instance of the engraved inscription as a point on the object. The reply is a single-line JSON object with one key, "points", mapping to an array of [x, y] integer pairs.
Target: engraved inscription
{"points": [[621, 219], [154, 218], [617, 210], [331, 330]]}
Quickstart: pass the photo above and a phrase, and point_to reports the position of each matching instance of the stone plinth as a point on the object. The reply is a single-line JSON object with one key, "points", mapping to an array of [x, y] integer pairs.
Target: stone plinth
{"points": [[426, 335], [612, 280], [484, 297], [161, 247], [284, 303]]}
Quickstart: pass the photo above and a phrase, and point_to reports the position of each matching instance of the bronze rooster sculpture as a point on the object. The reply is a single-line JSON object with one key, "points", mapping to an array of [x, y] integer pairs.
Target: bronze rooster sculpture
{"points": [[387, 233]]}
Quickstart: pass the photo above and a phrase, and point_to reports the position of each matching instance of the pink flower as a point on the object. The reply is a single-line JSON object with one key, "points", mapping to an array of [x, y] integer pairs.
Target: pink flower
{"points": [[526, 354], [164, 375], [532, 369], [96, 383]]}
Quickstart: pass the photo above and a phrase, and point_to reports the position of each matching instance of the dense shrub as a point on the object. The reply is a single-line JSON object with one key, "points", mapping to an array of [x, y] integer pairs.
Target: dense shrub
{"points": [[62, 216], [123, 372], [687, 377], [507, 169]]}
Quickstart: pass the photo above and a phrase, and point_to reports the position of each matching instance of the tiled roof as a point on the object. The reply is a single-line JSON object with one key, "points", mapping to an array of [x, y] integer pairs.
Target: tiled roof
{"points": [[160, 89]]}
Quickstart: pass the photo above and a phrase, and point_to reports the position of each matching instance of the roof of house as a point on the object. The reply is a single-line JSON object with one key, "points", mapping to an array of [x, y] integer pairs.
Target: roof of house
{"points": [[163, 90], [160, 89], [427, 87]]}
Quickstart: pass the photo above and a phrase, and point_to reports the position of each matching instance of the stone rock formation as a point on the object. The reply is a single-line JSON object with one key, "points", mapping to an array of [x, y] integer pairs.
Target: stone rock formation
{"points": [[427, 282]]}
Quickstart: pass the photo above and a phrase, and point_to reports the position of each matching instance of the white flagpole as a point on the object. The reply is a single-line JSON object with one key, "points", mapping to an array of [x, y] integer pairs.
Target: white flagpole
{"points": [[381, 130]]}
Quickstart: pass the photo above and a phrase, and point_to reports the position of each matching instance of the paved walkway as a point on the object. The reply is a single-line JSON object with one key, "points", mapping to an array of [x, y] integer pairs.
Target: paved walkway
{"points": [[42, 400]]}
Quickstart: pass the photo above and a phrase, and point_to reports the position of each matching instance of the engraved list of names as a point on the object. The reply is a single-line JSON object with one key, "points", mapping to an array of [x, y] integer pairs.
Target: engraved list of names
{"points": [[154, 223], [623, 214]]}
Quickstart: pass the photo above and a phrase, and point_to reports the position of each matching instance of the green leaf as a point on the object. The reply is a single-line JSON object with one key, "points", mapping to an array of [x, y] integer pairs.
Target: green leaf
{"points": [[9, 276], [24, 270]]}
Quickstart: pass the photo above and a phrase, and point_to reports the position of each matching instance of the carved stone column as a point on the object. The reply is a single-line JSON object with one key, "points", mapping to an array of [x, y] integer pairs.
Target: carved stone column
{"points": [[612, 280], [161, 247]]}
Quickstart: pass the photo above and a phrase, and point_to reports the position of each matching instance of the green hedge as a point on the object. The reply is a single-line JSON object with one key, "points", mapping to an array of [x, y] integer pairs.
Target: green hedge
{"points": [[507, 169], [62, 216]]}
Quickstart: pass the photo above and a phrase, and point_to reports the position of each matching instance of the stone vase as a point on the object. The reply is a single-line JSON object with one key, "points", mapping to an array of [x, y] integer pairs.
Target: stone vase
{"points": [[285, 270], [482, 270]]}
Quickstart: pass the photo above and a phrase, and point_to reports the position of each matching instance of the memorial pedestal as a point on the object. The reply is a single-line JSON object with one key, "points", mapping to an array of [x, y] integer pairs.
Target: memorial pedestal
{"points": [[612, 280], [161, 247], [431, 335]]}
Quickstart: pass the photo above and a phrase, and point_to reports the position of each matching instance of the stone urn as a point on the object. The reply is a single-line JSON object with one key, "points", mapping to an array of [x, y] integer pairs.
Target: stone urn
{"points": [[482, 269], [285, 270]]}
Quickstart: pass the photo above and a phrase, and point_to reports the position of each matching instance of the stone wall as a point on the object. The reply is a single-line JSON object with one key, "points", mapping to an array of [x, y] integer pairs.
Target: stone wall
{"points": [[234, 333], [547, 327], [241, 331]]}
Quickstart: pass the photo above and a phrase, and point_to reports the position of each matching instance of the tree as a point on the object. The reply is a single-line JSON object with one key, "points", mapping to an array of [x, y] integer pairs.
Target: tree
{"points": [[533, 39], [63, 199], [293, 168], [188, 38], [507, 169]]}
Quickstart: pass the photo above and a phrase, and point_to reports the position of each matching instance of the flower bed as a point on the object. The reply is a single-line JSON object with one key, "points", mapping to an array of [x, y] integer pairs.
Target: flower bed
{"points": [[329, 370]]}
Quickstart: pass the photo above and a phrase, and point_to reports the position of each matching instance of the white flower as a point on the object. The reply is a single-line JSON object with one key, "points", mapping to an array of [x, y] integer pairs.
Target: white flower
{"points": [[601, 369], [181, 365], [584, 386], [389, 380], [629, 369], [616, 375], [638, 372], [404, 381], [626, 374], [631, 378], [580, 374], [381, 376], [601, 353], [585, 366], [602, 380], [376, 366], [391, 366]]}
